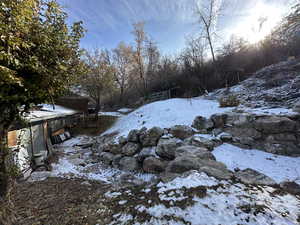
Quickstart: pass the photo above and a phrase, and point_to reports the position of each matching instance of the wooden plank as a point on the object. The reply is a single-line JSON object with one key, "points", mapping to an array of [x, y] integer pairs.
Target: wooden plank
{"points": [[12, 138]]}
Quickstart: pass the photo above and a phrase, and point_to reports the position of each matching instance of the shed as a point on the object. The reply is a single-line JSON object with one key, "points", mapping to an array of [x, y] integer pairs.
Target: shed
{"points": [[32, 142]]}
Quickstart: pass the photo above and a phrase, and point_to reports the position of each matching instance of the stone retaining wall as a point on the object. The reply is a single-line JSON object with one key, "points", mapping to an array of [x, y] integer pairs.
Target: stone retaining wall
{"points": [[275, 134]]}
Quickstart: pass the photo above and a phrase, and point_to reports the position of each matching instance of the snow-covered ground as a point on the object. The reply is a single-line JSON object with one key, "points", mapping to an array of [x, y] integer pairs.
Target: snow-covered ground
{"points": [[49, 111], [194, 198], [78, 162], [198, 199], [166, 113], [280, 168]]}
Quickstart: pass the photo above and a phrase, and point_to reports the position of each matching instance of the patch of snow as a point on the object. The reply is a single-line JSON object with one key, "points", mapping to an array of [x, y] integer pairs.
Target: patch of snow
{"points": [[116, 114], [279, 168], [47, 111], [124, 110], [194, 179], [122, 202], [112, 194], [166, 113], [269, 111]]}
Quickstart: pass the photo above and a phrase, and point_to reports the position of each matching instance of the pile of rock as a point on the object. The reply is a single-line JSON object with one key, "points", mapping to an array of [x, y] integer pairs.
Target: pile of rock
{"points": [[278, 134], [167, 152]]}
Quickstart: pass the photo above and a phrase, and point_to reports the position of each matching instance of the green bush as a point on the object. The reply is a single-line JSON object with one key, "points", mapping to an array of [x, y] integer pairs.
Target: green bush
{"points": [[229, 101]]}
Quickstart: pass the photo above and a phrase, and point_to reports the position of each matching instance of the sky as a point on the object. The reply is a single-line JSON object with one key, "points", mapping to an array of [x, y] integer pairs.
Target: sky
{"points": [[170, 22]]}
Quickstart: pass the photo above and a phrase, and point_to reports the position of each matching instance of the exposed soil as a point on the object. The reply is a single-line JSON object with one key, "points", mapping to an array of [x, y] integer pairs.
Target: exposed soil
{"points": [[61, 201]]}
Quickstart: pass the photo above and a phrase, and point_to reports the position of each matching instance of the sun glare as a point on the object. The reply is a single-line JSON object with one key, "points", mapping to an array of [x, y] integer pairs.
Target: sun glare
{"points": [[258, 22]]}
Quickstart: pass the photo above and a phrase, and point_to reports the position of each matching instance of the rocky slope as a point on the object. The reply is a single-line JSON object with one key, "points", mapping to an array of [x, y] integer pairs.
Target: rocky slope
{"points": [[277, 85]]}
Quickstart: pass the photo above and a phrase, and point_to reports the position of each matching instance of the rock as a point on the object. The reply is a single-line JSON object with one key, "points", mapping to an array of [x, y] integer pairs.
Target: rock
{"points": [[107, 157], [289, 149], [225, 137], [250, 176], [241, 120], [183, 164], [201, 123], [168, 176], [181, 131], [151, 136], [85, 145], [166, 147], [116, 160], [133, 136], [130, 149], [127, 180], [290, 187], [243, 132], [296, 107], [211, 167], [153, 165], [220, 174], [112, 147], [193, 151], [275, 124], [146, 152], [277, 138], [122, 140], [200, 142], [129, 164], [219, 120], [217, 131]]}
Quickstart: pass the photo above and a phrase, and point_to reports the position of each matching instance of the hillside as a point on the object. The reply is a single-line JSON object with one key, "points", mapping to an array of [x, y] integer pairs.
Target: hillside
{"points": [[276, 85]]}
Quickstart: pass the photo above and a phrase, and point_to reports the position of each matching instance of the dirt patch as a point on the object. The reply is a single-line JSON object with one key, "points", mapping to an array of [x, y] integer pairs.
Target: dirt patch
{"points": [[61, 201]]}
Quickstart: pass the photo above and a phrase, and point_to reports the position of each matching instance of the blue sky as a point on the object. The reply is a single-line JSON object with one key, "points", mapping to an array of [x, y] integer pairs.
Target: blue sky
{"points": [[168, 22]]}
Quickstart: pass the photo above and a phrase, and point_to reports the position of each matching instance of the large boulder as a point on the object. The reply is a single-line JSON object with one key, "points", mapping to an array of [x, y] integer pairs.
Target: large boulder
{"points": [[250, 176], [154, 165], [130, 149], [219, 120], [244, 132], [201, 123], [183, 164], [151, 136], [106, 157], [128, 164], [211, 167], [220, 174], [193, 151], [275, 124], [133, 136], [290, 187], [181, 131], [200, 142], [147, 152], [112, 146], [116, 160], [166, 147]]}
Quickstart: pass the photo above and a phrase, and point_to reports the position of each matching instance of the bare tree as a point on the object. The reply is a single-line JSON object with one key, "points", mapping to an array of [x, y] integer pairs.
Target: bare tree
{"points": [[152, 59], [208, 15], [140, 39], [98, 79], [122, 57]]}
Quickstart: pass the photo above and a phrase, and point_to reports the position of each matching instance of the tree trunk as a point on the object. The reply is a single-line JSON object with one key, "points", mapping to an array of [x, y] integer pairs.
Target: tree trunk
{"points": [[3, 156], [121, 94], [211, 46]]}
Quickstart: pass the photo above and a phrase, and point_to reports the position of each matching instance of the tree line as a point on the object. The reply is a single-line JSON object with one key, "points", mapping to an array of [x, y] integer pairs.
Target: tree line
{"points": [[130, 72]]}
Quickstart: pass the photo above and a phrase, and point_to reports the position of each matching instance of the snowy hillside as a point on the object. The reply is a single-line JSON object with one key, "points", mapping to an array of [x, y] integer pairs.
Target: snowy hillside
{"points": [[276, 85], [166, 113]]}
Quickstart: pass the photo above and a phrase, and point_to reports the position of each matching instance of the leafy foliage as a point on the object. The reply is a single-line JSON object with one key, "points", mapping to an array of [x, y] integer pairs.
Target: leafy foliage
{"points": [[39, 56]]}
